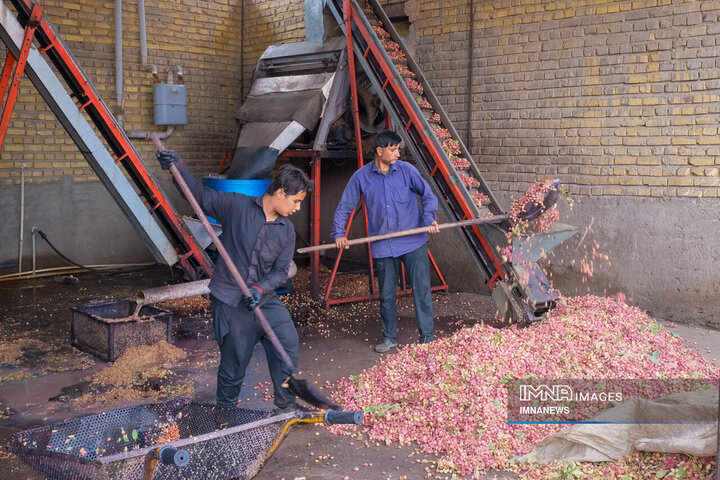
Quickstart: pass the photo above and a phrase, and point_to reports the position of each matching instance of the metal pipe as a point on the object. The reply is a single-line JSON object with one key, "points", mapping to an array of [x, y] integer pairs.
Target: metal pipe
{"points": [[143, 32], [242, 49], [22, 215], [471, 61], [119, 59], [176, 70], [172, 292], [145, 134], [34, 231], [143, 42], [183, 290]]}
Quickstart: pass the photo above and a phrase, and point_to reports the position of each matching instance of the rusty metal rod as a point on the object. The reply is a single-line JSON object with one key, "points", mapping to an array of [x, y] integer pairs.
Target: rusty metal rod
{"points": [[226, 257], [412, 231], [172, 292]]}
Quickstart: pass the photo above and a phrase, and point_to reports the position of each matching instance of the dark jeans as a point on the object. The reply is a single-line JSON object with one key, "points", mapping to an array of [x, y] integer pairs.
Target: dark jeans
{"points": [[237, 331], [418, 268]]}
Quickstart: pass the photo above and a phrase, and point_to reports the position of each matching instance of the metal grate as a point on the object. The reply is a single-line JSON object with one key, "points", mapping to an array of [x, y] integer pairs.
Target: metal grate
{"points": [[223, 442]]}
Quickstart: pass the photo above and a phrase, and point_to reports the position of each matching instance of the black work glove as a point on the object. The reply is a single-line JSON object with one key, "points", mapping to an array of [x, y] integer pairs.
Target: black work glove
{"points": [[254, 299], [169, 157]]}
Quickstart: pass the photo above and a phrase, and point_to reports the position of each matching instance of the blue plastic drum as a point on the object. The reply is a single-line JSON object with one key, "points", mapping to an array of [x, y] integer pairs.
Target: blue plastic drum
{"points": [[253, 188]]}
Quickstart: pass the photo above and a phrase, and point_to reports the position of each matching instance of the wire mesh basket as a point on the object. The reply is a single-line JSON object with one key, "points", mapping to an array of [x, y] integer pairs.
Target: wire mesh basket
{"points": [[222, 442]]}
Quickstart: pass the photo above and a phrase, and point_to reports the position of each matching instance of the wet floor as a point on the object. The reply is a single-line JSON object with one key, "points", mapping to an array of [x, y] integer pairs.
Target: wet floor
{"points": [[332, 346]]}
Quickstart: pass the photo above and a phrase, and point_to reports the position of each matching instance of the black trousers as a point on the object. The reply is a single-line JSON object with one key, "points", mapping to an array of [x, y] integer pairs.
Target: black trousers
{"points": [[237, 331]]}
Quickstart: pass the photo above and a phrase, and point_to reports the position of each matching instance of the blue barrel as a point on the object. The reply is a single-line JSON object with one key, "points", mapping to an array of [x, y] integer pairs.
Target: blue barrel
{"points": [[253, 188]]}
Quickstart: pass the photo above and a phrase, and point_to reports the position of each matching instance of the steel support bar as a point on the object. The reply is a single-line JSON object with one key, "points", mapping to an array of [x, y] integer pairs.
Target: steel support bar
{"points": [[376, 296], [399, 103], [32, 25], [7, 71], [315, 227]]}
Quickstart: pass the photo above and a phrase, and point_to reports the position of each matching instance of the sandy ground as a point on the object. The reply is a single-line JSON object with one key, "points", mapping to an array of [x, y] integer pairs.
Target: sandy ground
{"points": [[340, 346]]}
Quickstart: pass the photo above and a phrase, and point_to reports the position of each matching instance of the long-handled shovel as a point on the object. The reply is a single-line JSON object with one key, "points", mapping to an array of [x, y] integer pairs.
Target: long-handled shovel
{"points": [[301, 388], [531, 211]]}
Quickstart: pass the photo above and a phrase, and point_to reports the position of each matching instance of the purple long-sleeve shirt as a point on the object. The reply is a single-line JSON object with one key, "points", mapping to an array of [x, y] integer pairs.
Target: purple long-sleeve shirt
{"points": [[392, 206]]}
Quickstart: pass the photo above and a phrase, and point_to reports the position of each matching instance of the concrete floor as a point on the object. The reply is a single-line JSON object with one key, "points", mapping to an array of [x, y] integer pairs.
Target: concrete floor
{"points": [[328, 352]]}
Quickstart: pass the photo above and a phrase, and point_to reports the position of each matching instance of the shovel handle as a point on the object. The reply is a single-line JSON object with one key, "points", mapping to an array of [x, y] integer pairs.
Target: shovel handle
{"points": [[412, 231], [287, 361], [352, 417]]}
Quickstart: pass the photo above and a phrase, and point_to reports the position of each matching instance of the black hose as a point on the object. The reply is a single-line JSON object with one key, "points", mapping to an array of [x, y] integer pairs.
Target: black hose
{"points": [[102, 273]]}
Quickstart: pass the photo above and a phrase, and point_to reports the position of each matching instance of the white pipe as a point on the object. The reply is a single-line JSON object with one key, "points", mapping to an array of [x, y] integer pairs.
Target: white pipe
{"points": [[22, 215], [143, 33], [176, 70], [34, 231], [119, 59], [145, 134], [143, 42]]}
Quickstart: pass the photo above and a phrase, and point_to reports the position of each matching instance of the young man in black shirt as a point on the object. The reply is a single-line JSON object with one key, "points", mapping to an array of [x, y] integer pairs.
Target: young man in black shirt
{"points": [[261, 241]]}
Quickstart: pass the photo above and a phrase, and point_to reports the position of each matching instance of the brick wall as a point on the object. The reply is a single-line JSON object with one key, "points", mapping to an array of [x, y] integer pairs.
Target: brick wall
{"points": [[204, 38], [268, 23], [616, 97]]}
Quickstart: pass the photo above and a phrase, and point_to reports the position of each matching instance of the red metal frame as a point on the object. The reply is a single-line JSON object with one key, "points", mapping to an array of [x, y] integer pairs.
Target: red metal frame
{"points": [[32, 24], [351, 18], [189, 252], [315, 226], [360, 162]]}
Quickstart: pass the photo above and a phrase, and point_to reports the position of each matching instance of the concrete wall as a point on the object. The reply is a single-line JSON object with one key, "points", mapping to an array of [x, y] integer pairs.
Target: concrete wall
{"points": [[662, 255]]}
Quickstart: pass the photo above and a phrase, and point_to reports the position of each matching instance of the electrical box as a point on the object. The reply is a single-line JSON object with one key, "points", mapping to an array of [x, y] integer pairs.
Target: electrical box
{"points": [[170, 104]]}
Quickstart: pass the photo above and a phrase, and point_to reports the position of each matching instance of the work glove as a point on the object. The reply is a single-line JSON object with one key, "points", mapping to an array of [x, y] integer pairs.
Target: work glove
{"points": [[169, 157], [253, 300]]}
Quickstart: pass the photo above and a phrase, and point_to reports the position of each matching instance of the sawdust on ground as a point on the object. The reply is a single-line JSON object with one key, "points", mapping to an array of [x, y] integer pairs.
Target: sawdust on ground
{"points": [[49, 354], [138, 361], [187, 306], [140, 372]]}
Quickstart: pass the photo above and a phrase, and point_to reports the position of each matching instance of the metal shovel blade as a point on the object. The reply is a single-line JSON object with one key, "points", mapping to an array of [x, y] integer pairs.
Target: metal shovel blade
{"points": [[305, 391]]}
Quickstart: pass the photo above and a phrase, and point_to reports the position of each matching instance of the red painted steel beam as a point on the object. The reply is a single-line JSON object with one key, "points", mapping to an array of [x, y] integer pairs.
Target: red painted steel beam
{"points": [[32, 24], [315, 228], [414, 120]]}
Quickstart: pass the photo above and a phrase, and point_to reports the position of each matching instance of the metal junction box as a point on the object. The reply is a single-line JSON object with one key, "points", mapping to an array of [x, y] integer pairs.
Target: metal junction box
{"points": [[170, 104]]}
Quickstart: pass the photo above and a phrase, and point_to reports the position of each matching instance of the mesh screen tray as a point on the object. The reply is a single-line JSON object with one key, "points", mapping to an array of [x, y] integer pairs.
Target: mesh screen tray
{"points": [[106, 330], [223, 442]]}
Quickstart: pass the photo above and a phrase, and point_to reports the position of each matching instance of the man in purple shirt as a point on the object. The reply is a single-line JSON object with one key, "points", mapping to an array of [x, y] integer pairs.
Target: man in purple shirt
{"points": [[390, 188]]}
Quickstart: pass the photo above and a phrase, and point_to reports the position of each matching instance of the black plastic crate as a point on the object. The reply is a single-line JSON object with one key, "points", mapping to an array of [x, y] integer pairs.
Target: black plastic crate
{"points": [[106, 330]]}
